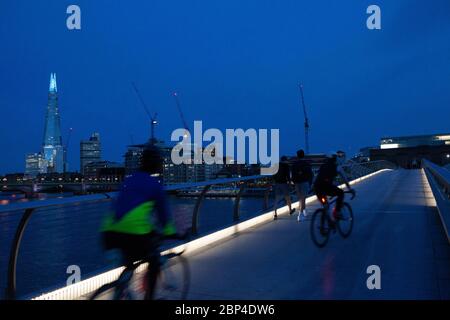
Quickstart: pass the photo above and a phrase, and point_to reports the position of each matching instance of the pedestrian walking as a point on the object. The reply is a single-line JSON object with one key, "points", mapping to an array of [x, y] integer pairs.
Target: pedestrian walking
{"points": [[302, 177], [281, 187]]}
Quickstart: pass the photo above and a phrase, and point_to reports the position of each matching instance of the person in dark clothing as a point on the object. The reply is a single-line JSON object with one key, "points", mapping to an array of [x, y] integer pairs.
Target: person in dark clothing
{"points": [[282, 180], [302, 177], [324, 183]]}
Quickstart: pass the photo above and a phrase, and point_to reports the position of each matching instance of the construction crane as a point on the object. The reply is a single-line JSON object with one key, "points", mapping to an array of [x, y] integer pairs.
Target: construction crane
{"points": [[131, 139], [152, 118], [177, 101], [306, 119], [66, 147]]}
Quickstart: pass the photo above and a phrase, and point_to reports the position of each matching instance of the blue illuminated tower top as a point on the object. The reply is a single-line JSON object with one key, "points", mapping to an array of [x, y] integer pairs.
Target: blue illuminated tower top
{"points": [[53, 88], [52, 143]]}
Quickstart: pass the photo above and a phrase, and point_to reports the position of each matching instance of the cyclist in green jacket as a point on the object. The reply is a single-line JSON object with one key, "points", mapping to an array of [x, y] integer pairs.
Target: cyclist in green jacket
{"points": [[140, 216]]}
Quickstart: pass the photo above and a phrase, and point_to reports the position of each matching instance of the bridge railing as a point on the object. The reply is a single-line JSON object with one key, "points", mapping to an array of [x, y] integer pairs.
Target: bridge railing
{"points": [[30, 207], [439, 180], [355, 171]]}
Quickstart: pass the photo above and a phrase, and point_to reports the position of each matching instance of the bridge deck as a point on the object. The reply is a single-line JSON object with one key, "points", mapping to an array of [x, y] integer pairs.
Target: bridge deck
{"points": [[396, 227]]}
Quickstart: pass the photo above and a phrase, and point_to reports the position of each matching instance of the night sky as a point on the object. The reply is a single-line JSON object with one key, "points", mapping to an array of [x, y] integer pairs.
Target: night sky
{"points": [[235, 64]]}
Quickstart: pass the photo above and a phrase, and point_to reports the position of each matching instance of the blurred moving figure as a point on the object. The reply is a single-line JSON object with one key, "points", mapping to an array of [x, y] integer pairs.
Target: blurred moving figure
{"points": [[302, 176], [139, 217], [324, 183], [282, 180]]}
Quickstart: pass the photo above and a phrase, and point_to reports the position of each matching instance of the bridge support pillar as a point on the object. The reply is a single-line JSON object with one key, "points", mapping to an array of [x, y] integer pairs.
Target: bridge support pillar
{"points": [[266, 198], [237, 203], [197, 209]]}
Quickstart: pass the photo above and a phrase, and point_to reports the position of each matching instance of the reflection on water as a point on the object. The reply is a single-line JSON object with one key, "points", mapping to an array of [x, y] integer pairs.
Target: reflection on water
{"points": [[61, 236], [12, 197]]}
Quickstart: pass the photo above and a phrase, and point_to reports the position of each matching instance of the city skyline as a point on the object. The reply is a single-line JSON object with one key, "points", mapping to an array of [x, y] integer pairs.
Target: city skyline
{"points": [[233, 154], [239, 74], [53, 156]]}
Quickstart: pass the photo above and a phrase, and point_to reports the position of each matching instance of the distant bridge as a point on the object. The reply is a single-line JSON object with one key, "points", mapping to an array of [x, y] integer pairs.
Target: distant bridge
{"points": [[32, 188]]}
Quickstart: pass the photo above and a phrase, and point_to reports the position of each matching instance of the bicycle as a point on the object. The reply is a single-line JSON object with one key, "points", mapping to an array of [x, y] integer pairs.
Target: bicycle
{"points": [[172, 282], [321, 223]]}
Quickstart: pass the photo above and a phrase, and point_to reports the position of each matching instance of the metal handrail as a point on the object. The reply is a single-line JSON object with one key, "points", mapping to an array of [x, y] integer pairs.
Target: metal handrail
{"points": [[36, 204], [31, 206], [439, 181], [441, 175]]}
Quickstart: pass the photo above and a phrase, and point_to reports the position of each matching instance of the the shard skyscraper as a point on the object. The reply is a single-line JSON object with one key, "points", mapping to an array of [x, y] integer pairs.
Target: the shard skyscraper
{"points": [[53, 149]]}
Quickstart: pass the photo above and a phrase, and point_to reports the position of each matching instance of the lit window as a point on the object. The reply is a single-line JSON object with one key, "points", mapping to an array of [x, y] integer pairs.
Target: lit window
{"points": [[390, 146]]}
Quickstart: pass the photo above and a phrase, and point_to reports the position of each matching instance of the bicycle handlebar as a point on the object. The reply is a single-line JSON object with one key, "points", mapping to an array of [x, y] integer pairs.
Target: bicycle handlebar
{"points": [[353, 192]]}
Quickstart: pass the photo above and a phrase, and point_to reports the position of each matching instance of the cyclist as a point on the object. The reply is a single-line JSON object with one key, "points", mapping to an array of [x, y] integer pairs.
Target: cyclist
{"points": [[140, 214], [324, 183]]}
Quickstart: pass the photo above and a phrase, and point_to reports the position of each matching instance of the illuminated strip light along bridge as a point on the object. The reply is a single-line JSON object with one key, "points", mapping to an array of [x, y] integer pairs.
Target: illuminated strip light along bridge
{"points": [[402, 221]]}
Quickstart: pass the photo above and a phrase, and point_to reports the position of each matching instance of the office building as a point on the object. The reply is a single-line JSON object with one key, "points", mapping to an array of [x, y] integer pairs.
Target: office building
{"points": [[104, 171], [408, 151], [172, 173], [415, 141], [90, 151], [35, 163], [53, 150]]}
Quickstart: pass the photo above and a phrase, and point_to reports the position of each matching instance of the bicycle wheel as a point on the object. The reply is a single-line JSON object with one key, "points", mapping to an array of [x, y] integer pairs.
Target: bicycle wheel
{"points": [[345, 220], [105, 292], [320, 228], [116, 290], [174, 279]]}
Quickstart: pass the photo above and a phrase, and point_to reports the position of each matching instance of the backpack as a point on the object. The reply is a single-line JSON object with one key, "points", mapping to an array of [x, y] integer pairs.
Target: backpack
{"points": [[282, 176], [302, 172], [327, 172]]}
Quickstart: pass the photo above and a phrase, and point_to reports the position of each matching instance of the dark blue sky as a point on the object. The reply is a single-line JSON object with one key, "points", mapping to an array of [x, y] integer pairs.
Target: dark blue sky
{"points": [[235, 64]]}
